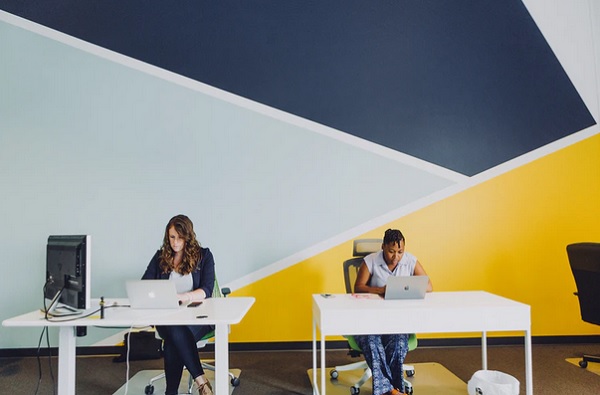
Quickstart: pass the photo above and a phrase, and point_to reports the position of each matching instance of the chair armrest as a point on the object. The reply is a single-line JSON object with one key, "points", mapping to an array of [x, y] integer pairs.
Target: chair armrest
{"points": [[225, 291]]}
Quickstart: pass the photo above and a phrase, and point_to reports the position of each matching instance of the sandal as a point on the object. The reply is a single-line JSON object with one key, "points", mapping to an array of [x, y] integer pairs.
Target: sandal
{"points": [[205, 388]]}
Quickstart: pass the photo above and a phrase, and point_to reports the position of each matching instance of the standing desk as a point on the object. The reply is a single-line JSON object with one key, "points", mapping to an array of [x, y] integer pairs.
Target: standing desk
{"points": [[470, 311], [220, 312]]}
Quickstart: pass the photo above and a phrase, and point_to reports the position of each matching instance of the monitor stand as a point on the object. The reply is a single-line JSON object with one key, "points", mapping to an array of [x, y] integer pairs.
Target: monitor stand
{"points": [[57, 309]]}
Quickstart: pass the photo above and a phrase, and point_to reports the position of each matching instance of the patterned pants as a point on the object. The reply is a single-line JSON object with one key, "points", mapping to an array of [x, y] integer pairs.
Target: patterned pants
{"points": [[385, 355]]}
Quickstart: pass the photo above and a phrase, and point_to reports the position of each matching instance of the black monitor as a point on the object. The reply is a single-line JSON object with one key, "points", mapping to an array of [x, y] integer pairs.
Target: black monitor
{"points": [[68, 273]]}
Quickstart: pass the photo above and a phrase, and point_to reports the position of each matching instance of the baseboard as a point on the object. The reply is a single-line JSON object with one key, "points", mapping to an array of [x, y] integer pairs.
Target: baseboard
{"points": [[429, 342], [330, 345], [44, 351]]}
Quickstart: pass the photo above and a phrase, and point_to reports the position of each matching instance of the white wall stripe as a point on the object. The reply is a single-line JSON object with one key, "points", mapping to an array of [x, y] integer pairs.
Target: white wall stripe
{"points": [[412, 207]]}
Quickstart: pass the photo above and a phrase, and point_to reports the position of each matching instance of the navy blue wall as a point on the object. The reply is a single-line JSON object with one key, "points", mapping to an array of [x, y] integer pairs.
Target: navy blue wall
{"points": [[466, 85]]}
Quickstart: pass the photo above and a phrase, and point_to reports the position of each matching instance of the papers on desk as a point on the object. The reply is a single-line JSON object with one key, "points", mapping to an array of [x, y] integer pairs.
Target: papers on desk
{"points": [[366, 296]]}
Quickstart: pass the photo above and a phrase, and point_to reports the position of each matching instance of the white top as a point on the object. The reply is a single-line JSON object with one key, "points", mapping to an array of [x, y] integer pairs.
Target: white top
{"points": [[380, 271], [183, 282]]}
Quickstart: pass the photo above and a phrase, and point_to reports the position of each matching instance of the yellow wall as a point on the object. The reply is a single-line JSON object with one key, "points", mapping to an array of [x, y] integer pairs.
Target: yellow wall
{"points": [[506, 236]]}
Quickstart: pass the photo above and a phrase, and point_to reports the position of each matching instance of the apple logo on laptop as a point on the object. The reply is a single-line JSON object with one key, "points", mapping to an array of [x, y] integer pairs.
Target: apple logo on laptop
{"points": [[406, 287], [151, 294]]}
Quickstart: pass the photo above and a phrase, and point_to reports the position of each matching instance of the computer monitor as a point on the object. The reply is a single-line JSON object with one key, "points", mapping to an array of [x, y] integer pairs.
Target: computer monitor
{"points": [[68, 273]]}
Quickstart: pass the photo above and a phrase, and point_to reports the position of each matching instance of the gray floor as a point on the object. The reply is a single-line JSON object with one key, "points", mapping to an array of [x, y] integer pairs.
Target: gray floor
{"points": [[285, 372]]}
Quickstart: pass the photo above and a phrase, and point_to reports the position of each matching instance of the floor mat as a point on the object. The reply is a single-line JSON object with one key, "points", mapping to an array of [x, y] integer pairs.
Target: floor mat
{"points": [[137, 384], [593, 367], [430, 379]]}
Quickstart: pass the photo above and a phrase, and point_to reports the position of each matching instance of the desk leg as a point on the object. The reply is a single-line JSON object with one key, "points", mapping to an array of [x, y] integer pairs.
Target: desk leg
{"points": [[484, 350], [67, 345], [314, 356], [221, 359], [528, 364], [323, 367]]}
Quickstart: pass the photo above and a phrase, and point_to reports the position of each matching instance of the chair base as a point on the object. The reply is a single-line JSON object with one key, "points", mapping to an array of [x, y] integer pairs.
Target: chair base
{"points": [[589, 358], [149, 389], [409, 370]]}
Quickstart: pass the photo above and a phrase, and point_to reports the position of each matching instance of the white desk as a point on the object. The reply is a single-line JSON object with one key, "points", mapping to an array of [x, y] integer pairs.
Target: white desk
{"points": [[220, 312], [474, 311]]}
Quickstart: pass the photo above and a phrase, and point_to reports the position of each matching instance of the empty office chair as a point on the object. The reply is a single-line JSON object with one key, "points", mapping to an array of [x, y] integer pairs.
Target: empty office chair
{"points": [[235, 381], [362, 248], [584, 259]]}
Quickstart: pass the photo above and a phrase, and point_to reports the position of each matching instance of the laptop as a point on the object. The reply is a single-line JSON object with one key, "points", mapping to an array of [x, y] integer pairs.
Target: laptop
{"points": [[406, 287], [152, 294]]}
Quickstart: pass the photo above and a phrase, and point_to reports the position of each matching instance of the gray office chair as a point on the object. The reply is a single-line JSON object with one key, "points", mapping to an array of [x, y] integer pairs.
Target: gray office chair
{"points": [[235, 381], [584, 259], [360, 249]]}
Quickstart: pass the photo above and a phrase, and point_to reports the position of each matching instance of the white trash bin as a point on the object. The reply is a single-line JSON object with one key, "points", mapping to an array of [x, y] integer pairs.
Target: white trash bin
{"points": [[492, 382]]}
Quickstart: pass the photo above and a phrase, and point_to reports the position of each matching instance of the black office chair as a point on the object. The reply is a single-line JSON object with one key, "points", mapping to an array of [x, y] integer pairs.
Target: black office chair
{"points": [[584, 259], [362, 248]]}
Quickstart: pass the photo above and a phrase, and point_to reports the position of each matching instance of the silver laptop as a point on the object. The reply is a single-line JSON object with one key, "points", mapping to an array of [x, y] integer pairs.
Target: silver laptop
{"points": [[152, 294], [406, 287]]}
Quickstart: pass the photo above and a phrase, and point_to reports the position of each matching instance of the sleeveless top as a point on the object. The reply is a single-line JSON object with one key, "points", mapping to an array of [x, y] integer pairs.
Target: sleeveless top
{"points": [[380, 271]]}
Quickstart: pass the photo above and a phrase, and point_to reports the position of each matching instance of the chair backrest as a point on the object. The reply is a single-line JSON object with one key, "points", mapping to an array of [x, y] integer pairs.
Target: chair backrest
{"points": [[584, 259], [217, 290], [360, 249]]}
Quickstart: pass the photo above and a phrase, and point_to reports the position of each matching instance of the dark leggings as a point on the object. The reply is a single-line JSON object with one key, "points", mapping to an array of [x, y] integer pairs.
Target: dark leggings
{"points": [[179, 350]]}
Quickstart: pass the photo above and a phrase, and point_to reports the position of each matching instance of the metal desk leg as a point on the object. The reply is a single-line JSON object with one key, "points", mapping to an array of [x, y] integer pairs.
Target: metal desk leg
{"points": [[323, 367], [221, 359], [314, 356], [484, 350], [528, 364], [67, 346]]}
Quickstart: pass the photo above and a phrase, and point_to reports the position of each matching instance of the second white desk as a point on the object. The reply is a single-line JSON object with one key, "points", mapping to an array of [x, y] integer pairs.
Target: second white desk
{"points": [[471, 311]]}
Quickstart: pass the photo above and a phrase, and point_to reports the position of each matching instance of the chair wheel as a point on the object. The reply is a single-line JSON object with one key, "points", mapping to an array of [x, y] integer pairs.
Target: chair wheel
{"points": [[410, 373], [235, 381], [583, 363], [334, 374], [149, 389], [354, 390], [408, 387]]}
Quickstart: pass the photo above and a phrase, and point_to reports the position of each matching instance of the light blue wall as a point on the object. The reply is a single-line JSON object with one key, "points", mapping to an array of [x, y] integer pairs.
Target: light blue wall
{"points": [[90, 145]]}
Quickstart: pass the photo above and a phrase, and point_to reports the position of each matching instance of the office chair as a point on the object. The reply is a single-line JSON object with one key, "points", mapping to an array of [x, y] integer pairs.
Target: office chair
{"points": [[235, 381], [362, 248], [584, 259]]}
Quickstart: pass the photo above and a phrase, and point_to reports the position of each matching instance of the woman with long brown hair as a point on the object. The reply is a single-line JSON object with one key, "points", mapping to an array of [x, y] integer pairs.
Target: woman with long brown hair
{"points": [[181, 259]]}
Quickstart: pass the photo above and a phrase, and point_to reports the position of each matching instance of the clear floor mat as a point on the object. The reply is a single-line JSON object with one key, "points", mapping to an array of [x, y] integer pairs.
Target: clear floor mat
{"points": [[593, 367], [137, 383], [430, 379]]}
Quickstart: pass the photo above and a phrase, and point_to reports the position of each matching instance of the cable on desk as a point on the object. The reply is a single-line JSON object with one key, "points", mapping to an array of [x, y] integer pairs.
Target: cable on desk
{"points": [[76, 316], [50, 318]]}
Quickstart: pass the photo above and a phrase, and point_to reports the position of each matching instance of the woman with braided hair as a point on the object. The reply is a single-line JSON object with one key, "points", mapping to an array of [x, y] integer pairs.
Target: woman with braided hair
{"points": [[385, 353], [182, 260]]}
